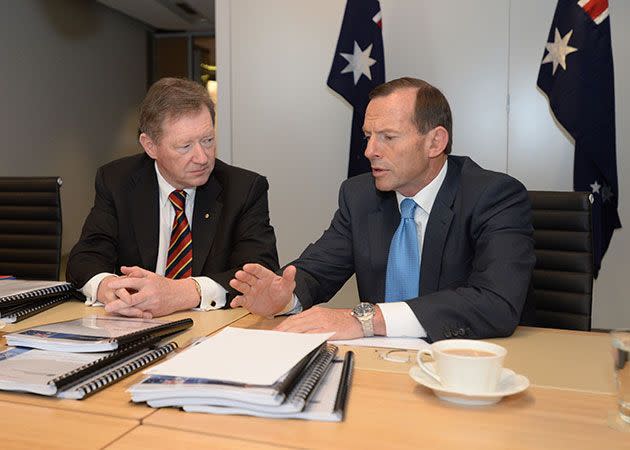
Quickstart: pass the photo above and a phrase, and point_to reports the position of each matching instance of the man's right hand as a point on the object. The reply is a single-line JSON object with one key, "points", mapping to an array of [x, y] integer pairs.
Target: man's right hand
{"points": [[262, 291], [106, 295]]}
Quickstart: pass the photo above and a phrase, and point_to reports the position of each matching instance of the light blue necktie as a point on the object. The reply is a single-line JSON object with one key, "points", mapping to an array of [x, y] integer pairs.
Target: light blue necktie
{"points": [[403, 263]]}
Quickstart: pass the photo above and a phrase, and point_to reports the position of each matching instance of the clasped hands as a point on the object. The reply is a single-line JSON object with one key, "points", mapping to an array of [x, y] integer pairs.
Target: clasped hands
{"points": [[265, 293], [145, 294]]}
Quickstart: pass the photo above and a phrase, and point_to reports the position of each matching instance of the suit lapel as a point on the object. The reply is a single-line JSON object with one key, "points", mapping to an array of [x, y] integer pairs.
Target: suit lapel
{"points": [[382, 225], [145, 214], [437, 229], [205, 221]]}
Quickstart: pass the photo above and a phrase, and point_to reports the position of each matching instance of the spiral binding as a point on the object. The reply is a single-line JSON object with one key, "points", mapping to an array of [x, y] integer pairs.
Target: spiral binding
{"points": [[80, 373], [163, 329], [36, 293], [125, 370], [34, 309], [312, 376]]}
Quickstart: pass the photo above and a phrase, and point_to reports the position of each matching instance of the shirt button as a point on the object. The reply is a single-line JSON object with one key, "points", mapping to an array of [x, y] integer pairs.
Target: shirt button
{"points": [[213, 303]]}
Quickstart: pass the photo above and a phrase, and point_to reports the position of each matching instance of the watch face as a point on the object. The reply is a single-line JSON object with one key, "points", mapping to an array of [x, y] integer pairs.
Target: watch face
{"points": [[363, 309]]}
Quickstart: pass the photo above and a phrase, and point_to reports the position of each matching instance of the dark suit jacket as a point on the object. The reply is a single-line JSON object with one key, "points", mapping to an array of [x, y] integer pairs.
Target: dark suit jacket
{"points": [[123, 225], [477, 256]]}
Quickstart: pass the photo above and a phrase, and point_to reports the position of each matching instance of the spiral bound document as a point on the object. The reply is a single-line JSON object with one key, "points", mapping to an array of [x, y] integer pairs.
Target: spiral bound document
{"points": [[73, 375], [178, 391], [20, 299], [315, 389], [118, 372], [15, 291], [21, 312], [326, 401], [94, 333]]}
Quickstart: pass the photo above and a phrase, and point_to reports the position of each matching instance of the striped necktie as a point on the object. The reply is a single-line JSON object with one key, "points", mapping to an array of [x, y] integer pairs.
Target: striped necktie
{"points": [[179, 261], [402, 279]]}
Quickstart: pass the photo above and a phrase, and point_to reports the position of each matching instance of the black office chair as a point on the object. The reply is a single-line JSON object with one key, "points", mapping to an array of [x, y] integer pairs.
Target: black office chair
{"points": [[562, 282], [30, 227]]}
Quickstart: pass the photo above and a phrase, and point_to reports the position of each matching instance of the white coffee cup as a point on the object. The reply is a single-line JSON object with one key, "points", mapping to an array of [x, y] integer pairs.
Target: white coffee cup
{"points": [[464, 365]]}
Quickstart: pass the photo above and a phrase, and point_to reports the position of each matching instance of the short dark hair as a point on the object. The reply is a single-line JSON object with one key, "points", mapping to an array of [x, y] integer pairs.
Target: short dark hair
{"points": [[431, 108], [171, 98]]}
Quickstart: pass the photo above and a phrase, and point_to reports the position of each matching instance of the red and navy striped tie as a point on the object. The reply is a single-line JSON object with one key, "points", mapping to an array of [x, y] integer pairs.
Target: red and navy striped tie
{"points": [[179, 261]]}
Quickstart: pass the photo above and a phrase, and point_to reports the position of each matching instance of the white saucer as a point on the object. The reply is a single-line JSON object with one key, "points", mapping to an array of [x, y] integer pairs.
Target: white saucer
{"points": [[509, 383]]}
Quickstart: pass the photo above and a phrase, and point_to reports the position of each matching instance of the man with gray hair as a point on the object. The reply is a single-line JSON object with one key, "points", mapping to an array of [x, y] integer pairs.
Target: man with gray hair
{"points": [[170, 227]]}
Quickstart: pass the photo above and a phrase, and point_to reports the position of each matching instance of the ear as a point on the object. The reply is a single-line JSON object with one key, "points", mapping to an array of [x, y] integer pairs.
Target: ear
{"points": [[148, 145], [437, 139]]}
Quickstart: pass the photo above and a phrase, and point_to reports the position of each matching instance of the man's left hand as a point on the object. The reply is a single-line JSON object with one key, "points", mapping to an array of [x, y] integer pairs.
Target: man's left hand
{"points": [[324, 320], [154, 295]]}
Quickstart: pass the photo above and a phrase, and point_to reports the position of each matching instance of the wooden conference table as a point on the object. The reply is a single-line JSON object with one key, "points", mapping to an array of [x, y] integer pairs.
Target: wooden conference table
{"points": [[567, 405]]}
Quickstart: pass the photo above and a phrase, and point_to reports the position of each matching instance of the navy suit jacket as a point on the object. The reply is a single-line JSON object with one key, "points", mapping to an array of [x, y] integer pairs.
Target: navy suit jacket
{"points": [[230, 223], [477, 256]]}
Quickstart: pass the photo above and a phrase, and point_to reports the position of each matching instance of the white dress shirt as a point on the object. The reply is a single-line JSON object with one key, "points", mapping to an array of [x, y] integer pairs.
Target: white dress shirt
{"points": [[400, 321], [213, 295], [399, 318]]}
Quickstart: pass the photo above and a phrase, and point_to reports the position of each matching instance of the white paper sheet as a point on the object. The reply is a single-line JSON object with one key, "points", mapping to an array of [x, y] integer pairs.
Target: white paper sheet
{"points": [[385, 342], [241, 355]]}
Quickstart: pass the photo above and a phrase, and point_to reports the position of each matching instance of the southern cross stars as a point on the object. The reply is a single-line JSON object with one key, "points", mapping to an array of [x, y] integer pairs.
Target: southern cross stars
{"points": [[605, 191], [359, 62], [596, 187], [558, 51]]}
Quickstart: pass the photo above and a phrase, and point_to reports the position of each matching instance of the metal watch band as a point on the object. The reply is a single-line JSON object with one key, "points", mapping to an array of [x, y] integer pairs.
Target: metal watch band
{"points": [[368, 326]]}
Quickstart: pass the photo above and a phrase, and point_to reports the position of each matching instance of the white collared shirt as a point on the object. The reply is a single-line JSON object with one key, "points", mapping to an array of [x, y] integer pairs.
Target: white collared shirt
{"points": [[398, 316], [400, 321], [213, 295]]}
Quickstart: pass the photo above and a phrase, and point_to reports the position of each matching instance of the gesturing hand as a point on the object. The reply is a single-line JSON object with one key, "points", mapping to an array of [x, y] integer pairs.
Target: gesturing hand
{"points": [[262, 291]]}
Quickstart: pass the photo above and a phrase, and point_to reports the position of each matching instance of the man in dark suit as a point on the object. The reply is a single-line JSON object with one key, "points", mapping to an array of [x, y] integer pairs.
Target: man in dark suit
{"points": [[457, 265], [175, 221]]}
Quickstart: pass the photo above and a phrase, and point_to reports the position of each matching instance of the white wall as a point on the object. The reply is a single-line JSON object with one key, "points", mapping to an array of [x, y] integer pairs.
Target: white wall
{"points": [[285, 123], [73, 73]]}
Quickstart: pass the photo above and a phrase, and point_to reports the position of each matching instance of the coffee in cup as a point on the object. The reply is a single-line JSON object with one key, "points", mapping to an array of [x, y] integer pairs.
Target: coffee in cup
{"points": [[464, 365]]}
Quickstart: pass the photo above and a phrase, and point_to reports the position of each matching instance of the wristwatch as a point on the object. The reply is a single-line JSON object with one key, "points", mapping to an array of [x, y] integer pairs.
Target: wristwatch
{"points": [[364, 313]]}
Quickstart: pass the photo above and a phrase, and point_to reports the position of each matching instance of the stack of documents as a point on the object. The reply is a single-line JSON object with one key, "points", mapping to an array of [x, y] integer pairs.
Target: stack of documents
{"points": [[77, 358], [253, 372], [20, 299]]}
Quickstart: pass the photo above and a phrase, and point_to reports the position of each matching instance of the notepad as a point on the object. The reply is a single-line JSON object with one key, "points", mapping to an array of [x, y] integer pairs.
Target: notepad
{"points": [[385, 342]]}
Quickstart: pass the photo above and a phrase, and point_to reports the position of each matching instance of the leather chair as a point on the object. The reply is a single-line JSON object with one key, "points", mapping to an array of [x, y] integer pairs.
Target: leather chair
{"points": [[562, 282], [30, 227]]}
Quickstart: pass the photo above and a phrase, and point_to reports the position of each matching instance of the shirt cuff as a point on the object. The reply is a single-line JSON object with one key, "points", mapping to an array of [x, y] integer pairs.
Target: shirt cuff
{"points": [[400, 321], [293, 307], [90, 289], [213, 295]]}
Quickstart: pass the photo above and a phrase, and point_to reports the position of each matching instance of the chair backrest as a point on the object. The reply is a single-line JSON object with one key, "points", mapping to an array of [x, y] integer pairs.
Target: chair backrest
{"points": [[30, 227], [562, 283]]}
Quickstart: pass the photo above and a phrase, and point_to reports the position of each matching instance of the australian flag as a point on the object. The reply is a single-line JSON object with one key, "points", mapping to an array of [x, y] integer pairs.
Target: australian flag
{"points": [[577, 75], [358, 67]]}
